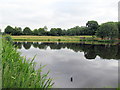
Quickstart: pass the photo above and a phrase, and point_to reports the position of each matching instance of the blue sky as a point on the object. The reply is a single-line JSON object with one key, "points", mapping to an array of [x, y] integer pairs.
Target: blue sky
{"points": [[56, 13]]}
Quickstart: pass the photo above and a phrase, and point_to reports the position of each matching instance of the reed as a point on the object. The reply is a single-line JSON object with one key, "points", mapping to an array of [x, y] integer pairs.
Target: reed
{"points": [[18, 72]]}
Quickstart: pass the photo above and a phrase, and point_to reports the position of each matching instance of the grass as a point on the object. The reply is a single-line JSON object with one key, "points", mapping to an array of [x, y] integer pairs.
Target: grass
{"points": [[48, 38], [76, 39], [20, 73]]}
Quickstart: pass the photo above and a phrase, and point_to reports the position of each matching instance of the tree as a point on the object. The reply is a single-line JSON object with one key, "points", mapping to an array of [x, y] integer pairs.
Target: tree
{"points": [[27, 31], [41, 32], [92, 26], [59, 31], [64, 32], [109, 30], [53, 32], [17, 31], [9, 30], [118, 29], [45, 28], [35, 32], [56, 31]]}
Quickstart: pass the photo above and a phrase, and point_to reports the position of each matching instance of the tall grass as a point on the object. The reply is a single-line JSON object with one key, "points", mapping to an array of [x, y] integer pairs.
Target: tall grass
{"points": [[19, 72]]}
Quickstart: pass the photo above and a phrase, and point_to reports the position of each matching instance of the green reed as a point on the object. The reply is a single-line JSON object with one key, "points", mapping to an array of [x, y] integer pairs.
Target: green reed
{"points": [[18, 72]]}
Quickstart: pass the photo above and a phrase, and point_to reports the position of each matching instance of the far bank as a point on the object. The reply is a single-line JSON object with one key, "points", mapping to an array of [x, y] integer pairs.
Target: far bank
{"points": [[74, 39]]}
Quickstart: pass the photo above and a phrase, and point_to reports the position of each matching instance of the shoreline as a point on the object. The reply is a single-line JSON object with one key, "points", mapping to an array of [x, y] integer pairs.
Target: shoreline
{"points": [[65, 39]]}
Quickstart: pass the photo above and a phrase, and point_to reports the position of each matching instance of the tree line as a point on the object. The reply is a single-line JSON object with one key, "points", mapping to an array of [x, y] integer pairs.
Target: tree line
{"points": [[105, 30]]}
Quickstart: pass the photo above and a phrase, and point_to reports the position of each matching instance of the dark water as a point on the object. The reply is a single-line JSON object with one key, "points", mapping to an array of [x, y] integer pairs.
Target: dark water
{"points": [[75, 65]]}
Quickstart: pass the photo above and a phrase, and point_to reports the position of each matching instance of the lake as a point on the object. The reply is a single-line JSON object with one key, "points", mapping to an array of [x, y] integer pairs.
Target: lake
{"points": [[75, 65]]}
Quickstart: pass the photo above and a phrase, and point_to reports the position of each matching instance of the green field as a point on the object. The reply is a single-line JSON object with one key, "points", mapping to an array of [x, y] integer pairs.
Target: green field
{"points": [[71, 39], [49, 38]]}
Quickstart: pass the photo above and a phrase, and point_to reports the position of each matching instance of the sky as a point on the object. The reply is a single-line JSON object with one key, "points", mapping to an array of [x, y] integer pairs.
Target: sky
{"points": [[56, 13]]}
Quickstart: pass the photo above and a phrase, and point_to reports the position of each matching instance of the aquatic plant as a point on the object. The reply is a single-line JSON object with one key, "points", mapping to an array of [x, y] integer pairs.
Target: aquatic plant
{"points": [[18, 72]]}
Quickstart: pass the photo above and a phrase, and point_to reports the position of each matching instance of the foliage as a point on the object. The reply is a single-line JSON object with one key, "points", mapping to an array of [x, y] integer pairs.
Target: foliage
{"points": [[108, 30], [19, 72], [92, 27], [9, 30], [35, 32], [118, 29], [56, 31], [13, 31], [41, 32], [17, 31], [27, 31]]}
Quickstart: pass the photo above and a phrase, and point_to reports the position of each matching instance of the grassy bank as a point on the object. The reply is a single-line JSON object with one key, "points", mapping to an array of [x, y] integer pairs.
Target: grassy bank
{"points": [[20, 73], [47, 38], [76, 39]]}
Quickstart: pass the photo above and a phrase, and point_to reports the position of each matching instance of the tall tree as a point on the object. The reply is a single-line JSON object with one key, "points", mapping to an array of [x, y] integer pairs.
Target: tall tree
{"points": [[41, 32], [108, 30], [92, 26], [17, 31], [27, 31], [56, 31], [9, 30], [53, 32], [119, 29], [35, 32]]}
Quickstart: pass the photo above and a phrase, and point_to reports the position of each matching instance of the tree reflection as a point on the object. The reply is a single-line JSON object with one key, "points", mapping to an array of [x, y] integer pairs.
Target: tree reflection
{"points": [[27, 45], [35, 44], [42, 46], [18, 44], [90, 51], [107, 52]]}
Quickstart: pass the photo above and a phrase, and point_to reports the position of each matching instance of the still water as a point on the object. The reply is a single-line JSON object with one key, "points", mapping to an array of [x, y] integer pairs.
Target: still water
{"points": [[75, 65]]}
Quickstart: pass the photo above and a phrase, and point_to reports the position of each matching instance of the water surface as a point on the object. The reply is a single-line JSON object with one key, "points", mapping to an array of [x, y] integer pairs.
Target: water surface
{"points": [[75, 65]]}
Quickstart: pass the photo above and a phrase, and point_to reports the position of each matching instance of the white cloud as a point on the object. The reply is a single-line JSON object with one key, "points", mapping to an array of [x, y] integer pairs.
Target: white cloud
{"points": [[56, 13]]}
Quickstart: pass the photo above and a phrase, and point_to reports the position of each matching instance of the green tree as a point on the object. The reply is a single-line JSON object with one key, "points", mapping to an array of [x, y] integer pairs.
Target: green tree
{"points": [[107, 30], [119, 29], [27, 31], [92, 27], [56, 31], [35, 32], [9, 30], [41, 32], [59, 31], [64, 32], [53, 32], [17, 31]]}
